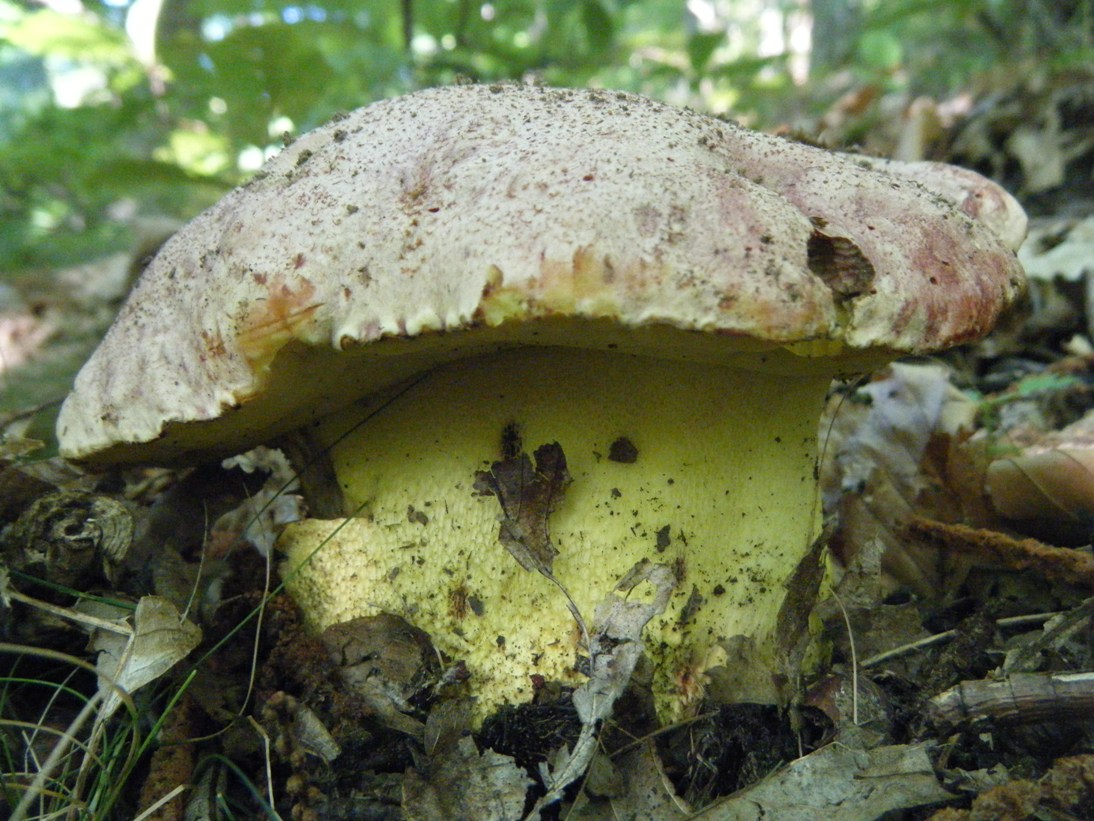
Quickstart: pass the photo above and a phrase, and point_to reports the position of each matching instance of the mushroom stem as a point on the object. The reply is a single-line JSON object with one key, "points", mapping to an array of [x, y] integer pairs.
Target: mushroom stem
{"points": [[707, 468]]}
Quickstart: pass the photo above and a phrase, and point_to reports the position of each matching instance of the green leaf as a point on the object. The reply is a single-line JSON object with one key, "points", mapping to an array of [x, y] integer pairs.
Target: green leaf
{"points": [[48, 33], [880, 49], [599, 26], [260, 72], [701, 46]]}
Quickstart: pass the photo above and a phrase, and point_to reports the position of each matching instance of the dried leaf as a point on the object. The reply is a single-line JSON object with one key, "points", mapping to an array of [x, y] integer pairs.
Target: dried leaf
{"points": [[447, 723], [490, 783], [1044, 481], [1045, 489], [890, 445], [604, 778], [646, 792], [616, 640], [1066, 791], [1060, 247], [1065, 635], [385, 661], [159, 640], [1041, 152], [262, 515], [838, 783], [528, 497], [802, 589], [22, 336], [614, 648]]}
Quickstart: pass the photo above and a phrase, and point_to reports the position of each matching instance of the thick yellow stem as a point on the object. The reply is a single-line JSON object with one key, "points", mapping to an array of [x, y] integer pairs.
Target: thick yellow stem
{"points": [[717, 481]]}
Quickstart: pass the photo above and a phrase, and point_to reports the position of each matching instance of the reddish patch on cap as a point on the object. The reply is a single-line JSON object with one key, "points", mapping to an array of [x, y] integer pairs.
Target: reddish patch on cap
{"points": [[273, 322]]}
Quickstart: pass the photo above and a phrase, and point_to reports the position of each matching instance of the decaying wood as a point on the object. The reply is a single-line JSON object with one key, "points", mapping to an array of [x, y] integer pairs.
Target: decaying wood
{"points": [[68, 537], [1022, 698], [990, 547]]}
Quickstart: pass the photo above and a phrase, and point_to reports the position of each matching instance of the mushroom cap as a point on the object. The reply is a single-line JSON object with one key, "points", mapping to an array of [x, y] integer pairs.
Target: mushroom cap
{"points": [[465, 219]]}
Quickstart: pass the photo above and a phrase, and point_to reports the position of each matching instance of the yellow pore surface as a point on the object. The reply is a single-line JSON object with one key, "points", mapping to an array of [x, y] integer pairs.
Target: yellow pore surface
{"points": [[721, 488]]}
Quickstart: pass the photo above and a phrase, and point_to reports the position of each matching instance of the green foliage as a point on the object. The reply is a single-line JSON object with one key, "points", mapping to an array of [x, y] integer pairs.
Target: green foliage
{"points": [[48, 33], [94, 114]]}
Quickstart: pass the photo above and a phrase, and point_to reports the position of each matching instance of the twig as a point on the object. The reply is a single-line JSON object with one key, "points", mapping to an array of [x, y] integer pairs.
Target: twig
{"points": [[1022, 698], [163, 801], [949, 635], [269, 766], [1056, 564], [109, 625], [854, 658]]}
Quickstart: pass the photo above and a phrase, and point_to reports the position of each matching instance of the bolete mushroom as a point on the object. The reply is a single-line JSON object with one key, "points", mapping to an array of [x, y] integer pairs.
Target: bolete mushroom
{"points": [[435, 282]]}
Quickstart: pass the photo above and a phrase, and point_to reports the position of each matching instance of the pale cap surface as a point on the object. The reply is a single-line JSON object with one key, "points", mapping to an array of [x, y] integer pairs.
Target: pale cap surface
{"points": [[459, 217]]}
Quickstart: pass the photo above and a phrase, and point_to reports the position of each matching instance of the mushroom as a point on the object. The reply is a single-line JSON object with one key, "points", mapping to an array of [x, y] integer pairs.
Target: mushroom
{"points": [[435, 282]]}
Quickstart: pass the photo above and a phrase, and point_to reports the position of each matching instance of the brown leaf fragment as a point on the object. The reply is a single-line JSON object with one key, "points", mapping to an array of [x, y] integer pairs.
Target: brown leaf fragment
{"points": [[1051, 487], [646, 792], [891, 458], [447, 723], [603, 778], [465, 784], [385, 661], [840, 782], [1057, 564], [849, 700], [615, 645], [1060, 246], [528, 496], [1064, 635], [964, 656], [623, 450], [802, 588], [691, 607], [130, 658], [616, 640]]}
